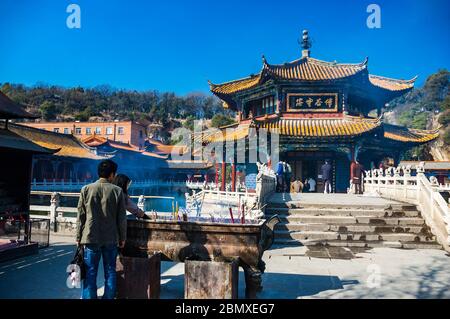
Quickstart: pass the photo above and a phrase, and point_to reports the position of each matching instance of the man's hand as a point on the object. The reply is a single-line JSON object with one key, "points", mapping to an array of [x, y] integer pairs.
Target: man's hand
{"points": [[121, 243]]}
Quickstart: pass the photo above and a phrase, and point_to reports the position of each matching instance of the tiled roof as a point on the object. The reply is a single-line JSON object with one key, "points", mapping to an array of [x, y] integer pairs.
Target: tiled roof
{"points": [[309, 69], [12, 110], [11, 140], [231, 133], [391, 84], [63, 144], [94, 140], [164, 149], [305, 127], [98, 140], [322, 127], [347, 126], [407, 135], [236, 86]]}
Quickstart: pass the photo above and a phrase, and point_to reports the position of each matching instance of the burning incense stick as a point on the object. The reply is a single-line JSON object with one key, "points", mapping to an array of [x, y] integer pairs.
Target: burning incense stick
{"points": [[231, 215]]}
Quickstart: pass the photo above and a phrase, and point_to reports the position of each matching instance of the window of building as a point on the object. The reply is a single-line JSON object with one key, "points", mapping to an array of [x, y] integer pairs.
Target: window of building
{"points": [[98, 130], [78, 130], [88, 130], [66, 130], [259, 107], [109, 131], [120, 130], [56, 130]]}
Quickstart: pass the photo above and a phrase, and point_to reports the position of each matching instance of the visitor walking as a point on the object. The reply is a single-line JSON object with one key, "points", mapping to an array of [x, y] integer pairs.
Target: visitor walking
{"points": [[312, 185], [287, 176], [356, 171], [327, 176], [101, 227], [280, 176]]}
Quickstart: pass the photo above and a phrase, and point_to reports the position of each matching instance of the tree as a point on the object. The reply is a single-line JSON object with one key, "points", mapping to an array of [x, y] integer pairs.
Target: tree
{"points": [[446, 136], [220, 120], [189, 123], [444, 118], [436, 85], [48, 110]]}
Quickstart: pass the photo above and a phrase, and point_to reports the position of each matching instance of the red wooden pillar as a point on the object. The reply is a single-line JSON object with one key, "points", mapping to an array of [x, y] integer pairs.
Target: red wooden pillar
{"points": [[224, 169], [233, 177], [217, 175]]}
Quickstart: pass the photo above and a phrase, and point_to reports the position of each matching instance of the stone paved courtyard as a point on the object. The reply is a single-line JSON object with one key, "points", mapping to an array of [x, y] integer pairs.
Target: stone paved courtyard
{"points": [[290, 273]]}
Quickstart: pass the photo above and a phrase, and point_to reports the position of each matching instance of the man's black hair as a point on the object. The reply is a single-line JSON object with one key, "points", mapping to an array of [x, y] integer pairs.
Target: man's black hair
{"points": [[106, 167]]}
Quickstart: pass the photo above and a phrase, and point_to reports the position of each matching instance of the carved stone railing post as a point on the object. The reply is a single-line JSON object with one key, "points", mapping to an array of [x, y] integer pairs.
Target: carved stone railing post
{"points": [[54, 204], [265, 183], [141, 202]]}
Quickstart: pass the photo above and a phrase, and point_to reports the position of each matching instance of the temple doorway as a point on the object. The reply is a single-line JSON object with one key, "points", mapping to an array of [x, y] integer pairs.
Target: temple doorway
{"points": [[308, 164]]}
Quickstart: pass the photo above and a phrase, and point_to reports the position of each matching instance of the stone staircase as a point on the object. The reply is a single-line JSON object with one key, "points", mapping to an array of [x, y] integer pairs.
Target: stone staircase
{"points": [[351, 225]]}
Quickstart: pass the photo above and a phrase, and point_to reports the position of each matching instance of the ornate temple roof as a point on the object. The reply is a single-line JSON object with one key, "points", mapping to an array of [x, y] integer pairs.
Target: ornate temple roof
{"points": [[230, 133], [12, 110], [310, 128], [95, 141], [322, 127], [236, 86], [62, 144], [307, 69], [164, 149], [310, 69], [391, 84], [403, 134], [11, 140]]}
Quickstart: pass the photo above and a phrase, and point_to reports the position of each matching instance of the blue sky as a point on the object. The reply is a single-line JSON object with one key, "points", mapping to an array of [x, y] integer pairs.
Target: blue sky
{"points": [[179, 45]]}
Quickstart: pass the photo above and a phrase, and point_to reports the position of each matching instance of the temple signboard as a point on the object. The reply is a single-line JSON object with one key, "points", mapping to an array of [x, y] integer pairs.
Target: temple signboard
{"points": [[312, 102]]}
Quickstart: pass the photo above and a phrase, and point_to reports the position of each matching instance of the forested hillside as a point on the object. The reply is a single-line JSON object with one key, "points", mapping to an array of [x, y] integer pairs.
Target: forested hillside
{"points": [[426, 108], [55, 103]]}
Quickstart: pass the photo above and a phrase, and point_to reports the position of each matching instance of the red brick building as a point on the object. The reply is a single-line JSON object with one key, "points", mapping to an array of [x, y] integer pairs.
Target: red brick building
{"points": [[129, 132]]}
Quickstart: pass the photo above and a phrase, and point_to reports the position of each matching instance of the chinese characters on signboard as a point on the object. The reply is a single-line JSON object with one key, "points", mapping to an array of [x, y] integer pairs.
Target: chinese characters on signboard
{"points": [[312, 102]]}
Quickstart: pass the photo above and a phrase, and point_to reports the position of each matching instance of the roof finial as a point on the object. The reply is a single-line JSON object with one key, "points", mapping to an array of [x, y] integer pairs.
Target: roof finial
{"points": [[306, 44]]}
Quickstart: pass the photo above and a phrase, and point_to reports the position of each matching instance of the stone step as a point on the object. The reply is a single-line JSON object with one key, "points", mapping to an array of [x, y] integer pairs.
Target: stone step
{"points": [[341, 212], [374, 244], [283, 242], [366, 228], [300, 204], [313, 236], [346, 220]]}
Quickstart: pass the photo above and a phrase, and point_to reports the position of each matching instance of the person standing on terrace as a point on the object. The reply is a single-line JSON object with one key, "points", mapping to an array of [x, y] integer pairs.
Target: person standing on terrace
{"points": [[124, 182], [101, 228]]}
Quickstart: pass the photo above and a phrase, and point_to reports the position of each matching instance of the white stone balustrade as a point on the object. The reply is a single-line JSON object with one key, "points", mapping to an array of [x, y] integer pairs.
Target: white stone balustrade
{"points": [[398, 184]]}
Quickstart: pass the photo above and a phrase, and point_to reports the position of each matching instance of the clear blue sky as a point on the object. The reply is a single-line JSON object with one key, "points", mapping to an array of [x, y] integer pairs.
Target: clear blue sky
{"points": [[179, 45]]}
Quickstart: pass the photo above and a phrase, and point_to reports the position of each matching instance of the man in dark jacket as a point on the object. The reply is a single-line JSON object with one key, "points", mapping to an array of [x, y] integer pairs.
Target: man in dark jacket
{"points": [[356, 174], [101, 227], [327, 176]]}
